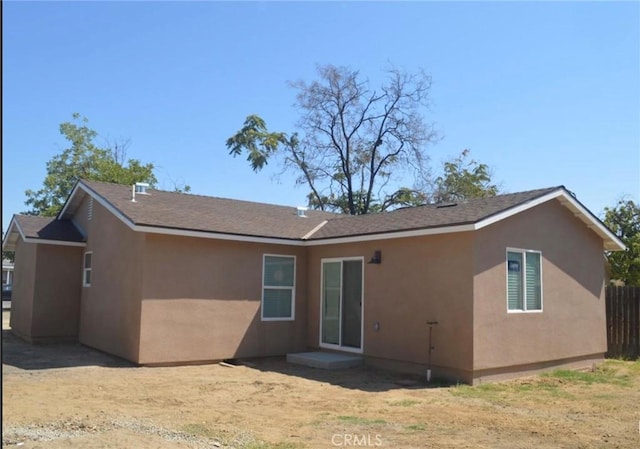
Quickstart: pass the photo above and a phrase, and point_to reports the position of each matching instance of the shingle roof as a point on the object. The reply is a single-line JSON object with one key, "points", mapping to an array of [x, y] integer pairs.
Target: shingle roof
{"points": [[196, 215], [425, 217], [220, 215], [48, 228], [208, 214]]}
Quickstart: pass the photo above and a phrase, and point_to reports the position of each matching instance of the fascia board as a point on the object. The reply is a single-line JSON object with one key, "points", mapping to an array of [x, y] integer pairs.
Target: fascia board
{"points": [[611, 242], [54, 242], [216, 235], [78, 186], [517, 209], [13, 227], [391, 235]]}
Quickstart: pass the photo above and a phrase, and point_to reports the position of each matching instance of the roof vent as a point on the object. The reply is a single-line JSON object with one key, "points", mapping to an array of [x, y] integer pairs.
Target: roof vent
{"points": [[443, 205], [139, 187], [301, 211]]}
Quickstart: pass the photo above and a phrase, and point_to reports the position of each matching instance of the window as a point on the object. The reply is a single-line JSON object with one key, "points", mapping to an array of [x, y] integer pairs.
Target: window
{"points": [[86, 270], [278, 287], [524, 280]]}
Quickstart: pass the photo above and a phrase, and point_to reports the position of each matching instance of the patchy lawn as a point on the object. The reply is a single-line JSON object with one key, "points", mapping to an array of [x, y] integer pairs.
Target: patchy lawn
{"points": [[270, 404]]}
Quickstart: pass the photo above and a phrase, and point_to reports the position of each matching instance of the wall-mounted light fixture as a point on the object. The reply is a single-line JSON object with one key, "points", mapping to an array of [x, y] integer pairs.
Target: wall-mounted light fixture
{"points": [[377, 257]]}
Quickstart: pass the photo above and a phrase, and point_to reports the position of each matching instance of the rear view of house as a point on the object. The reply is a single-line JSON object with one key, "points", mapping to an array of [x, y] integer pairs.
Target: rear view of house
{"points": [[514, 282]]}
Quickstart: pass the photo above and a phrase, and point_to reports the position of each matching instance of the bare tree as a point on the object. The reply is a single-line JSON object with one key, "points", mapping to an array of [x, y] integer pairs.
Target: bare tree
{"points": [[351, 141]]}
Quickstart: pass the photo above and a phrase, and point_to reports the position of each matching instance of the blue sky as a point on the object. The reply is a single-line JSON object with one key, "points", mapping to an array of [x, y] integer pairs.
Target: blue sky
{"points": [[544, 93]]}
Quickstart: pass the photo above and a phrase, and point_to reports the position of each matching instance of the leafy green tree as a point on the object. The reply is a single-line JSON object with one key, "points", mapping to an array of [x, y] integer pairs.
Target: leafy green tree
{"points": [[84, 160], [351, 139], [624, 221], [463, 179]]}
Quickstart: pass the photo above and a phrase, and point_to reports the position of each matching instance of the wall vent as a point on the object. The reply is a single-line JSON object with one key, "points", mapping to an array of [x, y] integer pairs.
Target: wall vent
{"points": [[90, 209]]}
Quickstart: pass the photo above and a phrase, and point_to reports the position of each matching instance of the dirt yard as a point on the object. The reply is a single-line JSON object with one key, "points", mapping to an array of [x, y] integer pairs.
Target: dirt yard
{"points": [[68, 396]]}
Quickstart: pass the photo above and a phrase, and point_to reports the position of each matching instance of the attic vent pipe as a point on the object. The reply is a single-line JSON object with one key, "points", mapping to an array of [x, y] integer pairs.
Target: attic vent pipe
{"points": [[301, 211]]}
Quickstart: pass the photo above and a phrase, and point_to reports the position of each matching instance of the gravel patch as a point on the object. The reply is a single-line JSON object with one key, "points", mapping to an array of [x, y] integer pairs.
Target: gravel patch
{"points": [[17, 435]]}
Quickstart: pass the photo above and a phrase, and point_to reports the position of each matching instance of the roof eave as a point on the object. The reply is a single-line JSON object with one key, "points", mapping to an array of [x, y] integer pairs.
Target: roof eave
{"points": [[610, 241], [217, 235], [392, 234], [11, 237], [72, 202]]}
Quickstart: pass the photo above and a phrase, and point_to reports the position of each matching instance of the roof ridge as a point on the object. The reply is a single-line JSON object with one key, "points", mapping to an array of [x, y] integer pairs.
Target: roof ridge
{"points": [[199, 195], [336, 216], [542, 191]]}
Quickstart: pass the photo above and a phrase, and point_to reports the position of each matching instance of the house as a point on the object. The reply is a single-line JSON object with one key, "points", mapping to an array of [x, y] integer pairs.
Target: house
{"points": [[514, 282], [7, 272]]}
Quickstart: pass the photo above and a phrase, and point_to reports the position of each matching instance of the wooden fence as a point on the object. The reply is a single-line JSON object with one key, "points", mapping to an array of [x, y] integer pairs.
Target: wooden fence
{"points": [[623, 322]]}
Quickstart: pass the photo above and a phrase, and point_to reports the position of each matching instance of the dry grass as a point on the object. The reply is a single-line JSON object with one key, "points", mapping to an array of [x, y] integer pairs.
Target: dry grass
{"points": [[273, 405]]}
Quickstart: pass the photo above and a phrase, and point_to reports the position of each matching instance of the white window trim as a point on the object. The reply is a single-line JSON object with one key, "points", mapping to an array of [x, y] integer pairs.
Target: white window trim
{"points": [[524, 289], [359, 350], [84, 269], [278, 287]]}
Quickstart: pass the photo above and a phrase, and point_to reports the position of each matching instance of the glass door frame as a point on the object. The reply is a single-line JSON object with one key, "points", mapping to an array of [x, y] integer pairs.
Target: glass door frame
{"points": [[339, 347]]}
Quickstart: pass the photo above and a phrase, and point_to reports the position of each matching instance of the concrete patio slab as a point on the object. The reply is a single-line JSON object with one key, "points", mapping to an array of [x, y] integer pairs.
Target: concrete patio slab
{"points": [[325, 360]]}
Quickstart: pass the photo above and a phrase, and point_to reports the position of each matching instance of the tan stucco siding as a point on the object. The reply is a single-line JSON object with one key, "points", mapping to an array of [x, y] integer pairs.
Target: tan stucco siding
{"points": [[420, 279], [56, 298], [202, 301], [110, 309], [572, 323], [23, 288]]}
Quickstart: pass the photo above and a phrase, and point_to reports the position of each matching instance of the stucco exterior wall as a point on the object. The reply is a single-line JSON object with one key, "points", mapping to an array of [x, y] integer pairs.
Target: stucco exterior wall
{"points": [[56, 298], [110, 307], [571, 326], [202, 298], [46, 292], [420, 279], [23, 288]]}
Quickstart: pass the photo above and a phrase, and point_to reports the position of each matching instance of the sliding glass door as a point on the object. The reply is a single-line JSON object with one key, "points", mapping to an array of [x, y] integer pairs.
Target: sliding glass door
{"points": [[341, 314]]}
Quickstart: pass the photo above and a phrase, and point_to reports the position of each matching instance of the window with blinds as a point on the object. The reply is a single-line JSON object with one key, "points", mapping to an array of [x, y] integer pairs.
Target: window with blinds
{"points": [[524, 280], [278, 287]]}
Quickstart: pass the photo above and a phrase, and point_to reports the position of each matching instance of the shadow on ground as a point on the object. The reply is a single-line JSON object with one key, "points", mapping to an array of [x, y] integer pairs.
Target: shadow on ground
{"points": [[18, 354], [360, 378]]}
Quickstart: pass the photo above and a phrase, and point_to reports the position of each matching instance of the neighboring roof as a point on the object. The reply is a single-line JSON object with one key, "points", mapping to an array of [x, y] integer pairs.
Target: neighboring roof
{"points": [[37, 229], [210, 217]]}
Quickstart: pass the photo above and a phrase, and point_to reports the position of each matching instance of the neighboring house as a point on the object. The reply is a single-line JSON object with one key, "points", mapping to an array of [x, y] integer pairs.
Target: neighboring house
{"points": [[7, 272], [515, 282]]}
